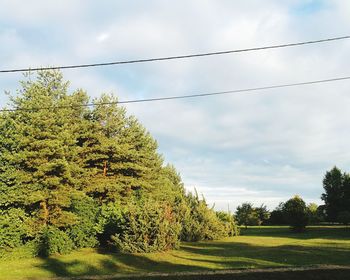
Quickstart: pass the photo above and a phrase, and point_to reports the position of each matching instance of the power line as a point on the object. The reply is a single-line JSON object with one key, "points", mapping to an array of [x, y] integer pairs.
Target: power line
{"points": [[173, 57], [185, 96]]}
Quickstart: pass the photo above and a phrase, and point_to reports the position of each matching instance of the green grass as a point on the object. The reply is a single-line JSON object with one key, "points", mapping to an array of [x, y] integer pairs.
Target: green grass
{"points": [[255, 248]]}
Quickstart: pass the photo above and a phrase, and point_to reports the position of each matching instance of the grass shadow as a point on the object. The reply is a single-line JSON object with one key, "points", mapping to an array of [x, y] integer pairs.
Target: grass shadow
{"points": [[229, 254], [339, 233], [226, 254]]}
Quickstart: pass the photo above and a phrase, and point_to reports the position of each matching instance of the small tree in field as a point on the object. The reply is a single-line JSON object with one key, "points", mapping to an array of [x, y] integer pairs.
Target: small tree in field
{"points": [[295, 213], [263, 214], [247, 215]]}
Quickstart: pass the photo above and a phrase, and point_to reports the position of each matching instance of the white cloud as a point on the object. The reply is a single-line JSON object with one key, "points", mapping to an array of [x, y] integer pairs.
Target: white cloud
{"points": [[102, 37]]}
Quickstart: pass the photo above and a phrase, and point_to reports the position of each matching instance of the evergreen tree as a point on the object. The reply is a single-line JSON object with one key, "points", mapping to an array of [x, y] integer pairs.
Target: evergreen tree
{"points": [[39, 170], [68, 173], [333, 184], [120, 155]]}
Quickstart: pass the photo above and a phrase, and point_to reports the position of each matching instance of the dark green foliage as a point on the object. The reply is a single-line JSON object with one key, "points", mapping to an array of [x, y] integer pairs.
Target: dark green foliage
{"points": [[84, 232], [54, 241], [108, 222], [147, 227], [337, 194], [247, 215], [277, 216], [333, 184], [344, 217], [295, 213]]}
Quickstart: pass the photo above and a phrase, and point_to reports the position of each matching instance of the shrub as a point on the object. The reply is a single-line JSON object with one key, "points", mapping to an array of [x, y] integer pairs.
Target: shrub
{"points": [[147, 227], [84, 233], [229, 222], [13, 228], [28, 250], [314, 214], [295, 213], [54, 241], [201, 223], [109, 218]]}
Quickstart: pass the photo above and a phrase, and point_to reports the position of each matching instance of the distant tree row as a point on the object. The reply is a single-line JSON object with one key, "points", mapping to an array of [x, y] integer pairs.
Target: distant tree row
{"points": [[293, 212], [74, 176], [297, 214]]}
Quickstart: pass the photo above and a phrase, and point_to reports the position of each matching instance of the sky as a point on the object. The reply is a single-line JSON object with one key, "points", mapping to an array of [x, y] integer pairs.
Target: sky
{"points": [[263, 147]]}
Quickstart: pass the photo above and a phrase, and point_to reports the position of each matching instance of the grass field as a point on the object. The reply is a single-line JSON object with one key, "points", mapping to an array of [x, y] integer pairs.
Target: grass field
{"points": [[255, 248]]}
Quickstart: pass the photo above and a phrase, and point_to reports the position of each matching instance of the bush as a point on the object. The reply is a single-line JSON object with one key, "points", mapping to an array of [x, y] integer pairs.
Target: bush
{"points": [[13, 228], [84, 233], [109, 218], [295, 212], [201, 223], [28, 250], [54, 241], [147, 227], [229, 222], [314, 214]]}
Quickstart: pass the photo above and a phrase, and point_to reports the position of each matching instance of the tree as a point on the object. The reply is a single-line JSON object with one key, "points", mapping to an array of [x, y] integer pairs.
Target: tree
{"points": [[39, 170], [247, 215], [200, 222], [314, 214], [263, 213], [119, 153], [276, 216], [295, 213], [334, 193], [68, 175]]}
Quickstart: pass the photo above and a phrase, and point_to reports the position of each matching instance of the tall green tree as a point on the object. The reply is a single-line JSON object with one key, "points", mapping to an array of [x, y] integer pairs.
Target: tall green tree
{"points": [[333, 184], [39, 170], [120, 155]]}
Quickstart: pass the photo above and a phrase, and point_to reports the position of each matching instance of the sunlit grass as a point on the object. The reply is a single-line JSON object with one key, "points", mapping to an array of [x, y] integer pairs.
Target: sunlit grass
{"points": [[255, 248]]}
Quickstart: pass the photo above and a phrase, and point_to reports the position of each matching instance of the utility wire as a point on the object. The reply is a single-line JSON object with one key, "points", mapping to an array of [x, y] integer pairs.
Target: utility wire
{"points": [[173, 57], [184, 96]]}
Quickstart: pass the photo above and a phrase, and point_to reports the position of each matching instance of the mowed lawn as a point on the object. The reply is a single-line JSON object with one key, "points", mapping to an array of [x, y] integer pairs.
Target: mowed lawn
{"points": [[256, 248]]}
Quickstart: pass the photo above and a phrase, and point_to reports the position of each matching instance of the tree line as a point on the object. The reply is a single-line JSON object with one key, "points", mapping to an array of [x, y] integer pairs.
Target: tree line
{"points": [[74, 176], [295, 212]]}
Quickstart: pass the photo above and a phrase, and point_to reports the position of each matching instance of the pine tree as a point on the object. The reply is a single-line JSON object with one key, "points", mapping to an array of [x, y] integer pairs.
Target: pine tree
{"points": [[39, 155], [334, 194], [119, 153]]}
